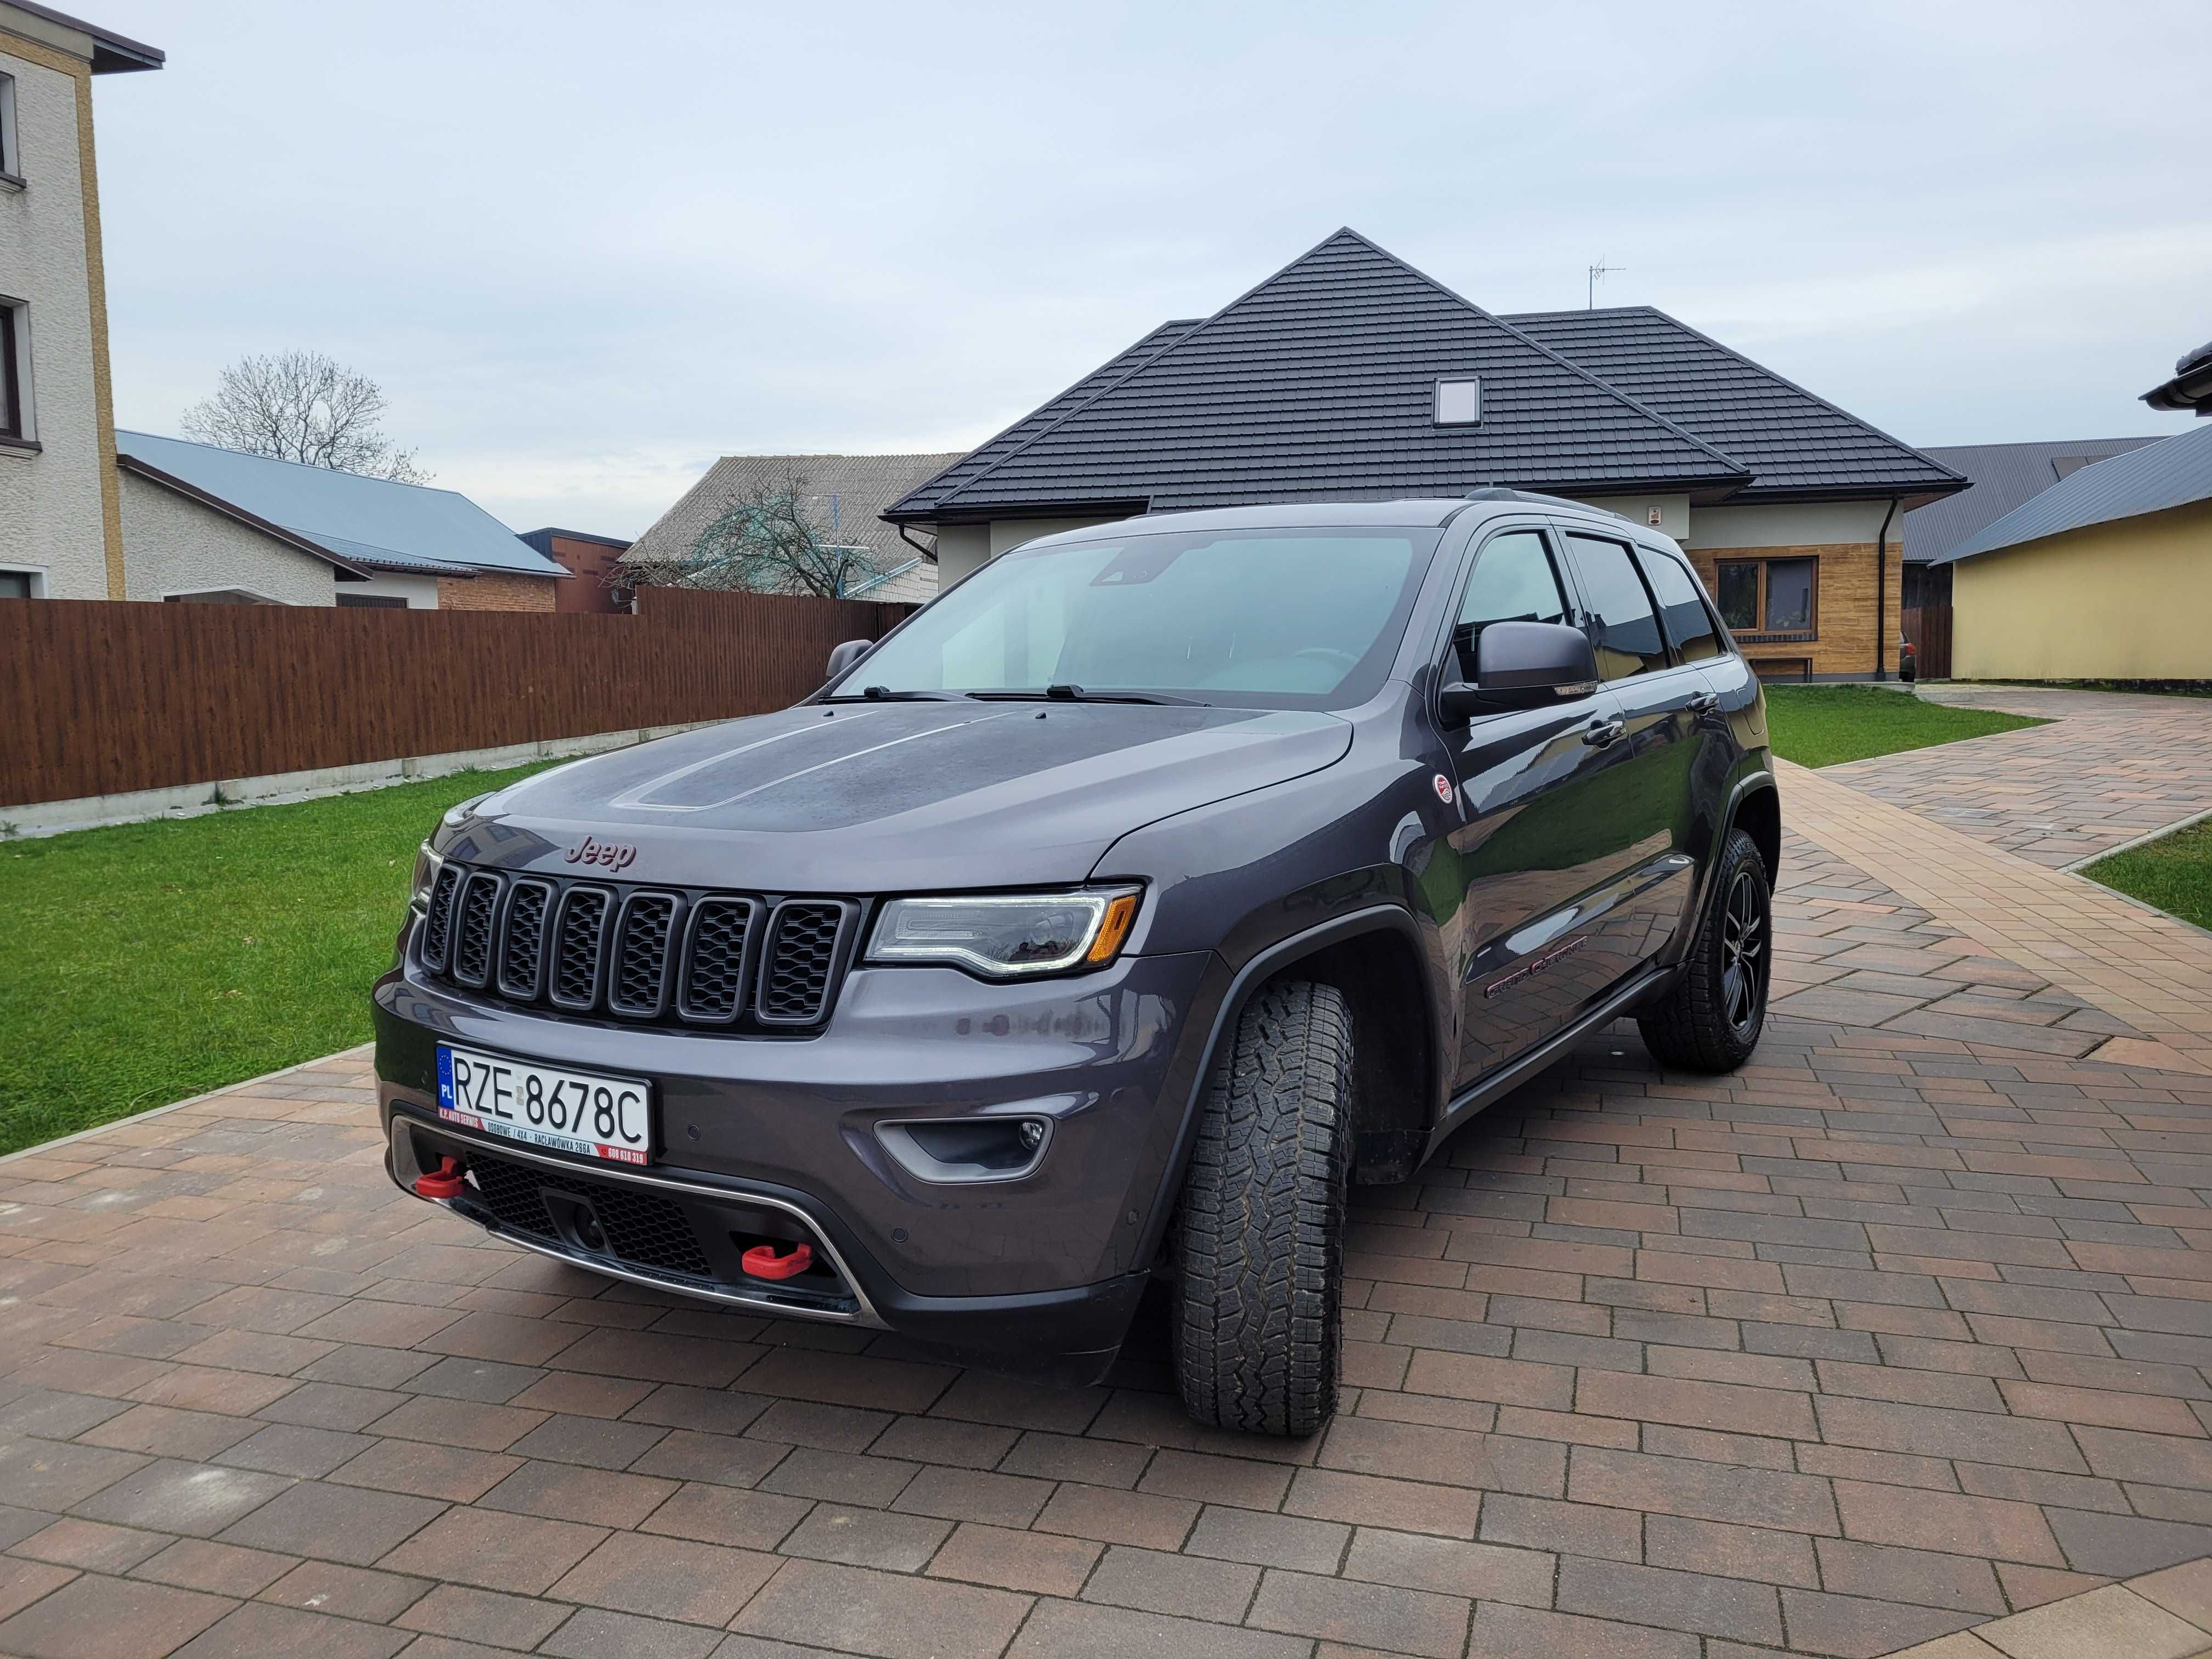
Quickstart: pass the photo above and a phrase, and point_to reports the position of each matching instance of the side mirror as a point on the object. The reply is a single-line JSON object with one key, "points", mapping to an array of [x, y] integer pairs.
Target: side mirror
{"points": [[1524, 664], [844, 656]]}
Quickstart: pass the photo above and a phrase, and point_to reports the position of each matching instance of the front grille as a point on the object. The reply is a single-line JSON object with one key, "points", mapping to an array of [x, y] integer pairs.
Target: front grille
{"points": [[472, 928], [522, 953], [796, 982], [714, 966], [438, 923], [639, 987], [750, 962], [642, 1228]]}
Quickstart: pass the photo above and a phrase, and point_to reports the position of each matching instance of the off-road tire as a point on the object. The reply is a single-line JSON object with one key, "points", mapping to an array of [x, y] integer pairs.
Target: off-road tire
{"points": [[1701, 1026], [1260, 1235]]}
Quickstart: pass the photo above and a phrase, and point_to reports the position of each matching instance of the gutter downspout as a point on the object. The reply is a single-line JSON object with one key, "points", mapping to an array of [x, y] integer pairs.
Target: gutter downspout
{"points": [[1882, 594], [929, 553]]}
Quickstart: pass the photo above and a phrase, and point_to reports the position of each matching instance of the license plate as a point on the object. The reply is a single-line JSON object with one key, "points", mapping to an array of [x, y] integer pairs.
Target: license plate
{"points": [[582, 1112]]}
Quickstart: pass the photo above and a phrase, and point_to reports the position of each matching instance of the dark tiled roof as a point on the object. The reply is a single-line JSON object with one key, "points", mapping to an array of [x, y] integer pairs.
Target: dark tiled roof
{"points": [[2001, 477], [2171, 472], [1793, 442], [1318, 385]]}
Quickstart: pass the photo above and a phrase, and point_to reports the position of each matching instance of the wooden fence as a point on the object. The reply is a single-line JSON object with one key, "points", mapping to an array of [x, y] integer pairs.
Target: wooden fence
{"points": [[101, 697], [1928, 629]]}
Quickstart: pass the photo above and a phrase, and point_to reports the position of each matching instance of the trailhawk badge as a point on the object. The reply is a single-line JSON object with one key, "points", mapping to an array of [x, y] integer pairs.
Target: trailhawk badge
{"points": [[1443, 789]]}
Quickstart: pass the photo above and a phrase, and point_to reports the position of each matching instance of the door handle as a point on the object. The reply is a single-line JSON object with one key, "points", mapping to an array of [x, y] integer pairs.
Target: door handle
{"points": [[1600, 732], [1705, 702]]}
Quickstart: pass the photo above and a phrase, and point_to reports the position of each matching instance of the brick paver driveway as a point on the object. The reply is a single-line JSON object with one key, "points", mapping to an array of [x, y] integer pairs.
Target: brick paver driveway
{"points": [[1893, 1332]]}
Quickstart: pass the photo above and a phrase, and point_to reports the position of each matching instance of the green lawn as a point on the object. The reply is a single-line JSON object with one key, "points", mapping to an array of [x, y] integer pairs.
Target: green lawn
{"points": [[1827, 725], [155, 961], [2173, 873]]}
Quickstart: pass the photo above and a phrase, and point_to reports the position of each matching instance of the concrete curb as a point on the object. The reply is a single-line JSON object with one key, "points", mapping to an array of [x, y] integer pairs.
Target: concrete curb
{"points": [[56, 817], [45, 1146]]}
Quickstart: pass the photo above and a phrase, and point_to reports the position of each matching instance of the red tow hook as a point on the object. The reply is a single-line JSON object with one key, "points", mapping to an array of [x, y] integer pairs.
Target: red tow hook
{"points": [[763, 1263], [444, 1182]]}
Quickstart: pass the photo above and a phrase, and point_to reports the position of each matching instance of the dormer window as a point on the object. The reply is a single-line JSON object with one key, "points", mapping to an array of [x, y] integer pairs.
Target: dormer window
{"points": [[1459, 402]]}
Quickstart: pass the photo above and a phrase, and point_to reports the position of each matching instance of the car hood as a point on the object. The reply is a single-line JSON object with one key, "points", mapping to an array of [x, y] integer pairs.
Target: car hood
{"points": [[889, 797]]}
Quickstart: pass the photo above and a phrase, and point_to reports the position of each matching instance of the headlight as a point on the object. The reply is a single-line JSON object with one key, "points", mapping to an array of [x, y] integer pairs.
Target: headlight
{"points": [[427, 866], [1007, 936], [460, 809]]}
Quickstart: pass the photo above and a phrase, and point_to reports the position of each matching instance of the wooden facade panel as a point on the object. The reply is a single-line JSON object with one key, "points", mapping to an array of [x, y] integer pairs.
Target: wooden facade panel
{"points": [[105, 698], [1845, 633]]}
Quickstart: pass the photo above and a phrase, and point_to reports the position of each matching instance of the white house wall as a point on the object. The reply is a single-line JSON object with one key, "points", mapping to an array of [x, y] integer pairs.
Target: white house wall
{"points": [[50, 513], [172, 544], [420, 593], [1789, 523]]}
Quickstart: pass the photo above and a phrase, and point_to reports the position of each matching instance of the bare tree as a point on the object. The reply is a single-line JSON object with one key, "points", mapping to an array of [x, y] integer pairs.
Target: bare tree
{"points": [[768, 541], [302, 406]]}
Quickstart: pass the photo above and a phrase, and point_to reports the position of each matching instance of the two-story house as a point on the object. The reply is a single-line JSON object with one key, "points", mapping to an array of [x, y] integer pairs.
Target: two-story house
{"points": [[61, 522]]}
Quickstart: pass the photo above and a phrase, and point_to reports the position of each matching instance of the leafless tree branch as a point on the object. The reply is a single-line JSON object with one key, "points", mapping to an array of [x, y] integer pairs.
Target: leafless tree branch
{"points": [[301, 406]]}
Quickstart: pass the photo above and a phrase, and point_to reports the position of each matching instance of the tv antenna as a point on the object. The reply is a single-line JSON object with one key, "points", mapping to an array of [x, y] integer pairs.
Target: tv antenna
{"points": [[1601, 268]]}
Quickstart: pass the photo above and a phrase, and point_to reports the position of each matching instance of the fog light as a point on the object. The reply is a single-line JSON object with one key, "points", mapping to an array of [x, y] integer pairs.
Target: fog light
{"points": [[958, 1150]]}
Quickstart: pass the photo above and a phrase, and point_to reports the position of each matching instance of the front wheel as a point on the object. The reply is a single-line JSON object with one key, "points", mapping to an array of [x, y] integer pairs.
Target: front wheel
{"points": [[1258, 1343], [1712, 1019]]}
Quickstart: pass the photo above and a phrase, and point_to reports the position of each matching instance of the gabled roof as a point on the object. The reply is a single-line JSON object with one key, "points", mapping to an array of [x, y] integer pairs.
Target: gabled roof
{"points": [[2171, 472], [364, 521], [1795, 443], [2001, 477], [862, 485], [1319, 385]]}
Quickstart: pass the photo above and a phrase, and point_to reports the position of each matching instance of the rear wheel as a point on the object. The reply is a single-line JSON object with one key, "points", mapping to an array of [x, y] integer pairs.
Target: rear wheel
{"points": [[1711, 1020], [1258, 1342]]}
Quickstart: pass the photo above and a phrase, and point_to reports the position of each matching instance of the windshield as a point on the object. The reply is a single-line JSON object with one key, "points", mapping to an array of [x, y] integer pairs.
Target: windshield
{"points": [[1270, 618]]}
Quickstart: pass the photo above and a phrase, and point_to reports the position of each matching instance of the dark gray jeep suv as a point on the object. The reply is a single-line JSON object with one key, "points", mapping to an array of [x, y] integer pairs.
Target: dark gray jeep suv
{"points": [[1095, 928]]}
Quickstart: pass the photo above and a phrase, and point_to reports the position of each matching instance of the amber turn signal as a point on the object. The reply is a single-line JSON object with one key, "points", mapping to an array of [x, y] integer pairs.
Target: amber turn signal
{"points": [[1114, 929]]}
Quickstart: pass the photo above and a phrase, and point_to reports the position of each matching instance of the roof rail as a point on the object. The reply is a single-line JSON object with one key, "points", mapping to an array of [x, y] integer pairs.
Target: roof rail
{"points": [[1505, 493]]}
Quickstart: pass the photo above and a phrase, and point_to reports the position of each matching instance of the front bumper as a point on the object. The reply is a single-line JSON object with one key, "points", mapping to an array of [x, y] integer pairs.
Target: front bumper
{"points": [[774, 1139]]}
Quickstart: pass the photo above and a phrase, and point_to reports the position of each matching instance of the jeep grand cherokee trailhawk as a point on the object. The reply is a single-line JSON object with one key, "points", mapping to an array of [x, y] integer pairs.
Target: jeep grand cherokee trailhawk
{"points": [[1097, 927]]}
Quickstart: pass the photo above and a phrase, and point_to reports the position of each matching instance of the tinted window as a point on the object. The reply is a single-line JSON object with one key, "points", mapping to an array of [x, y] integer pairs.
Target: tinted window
{"points": [[1788, 595], [1623, 629], [1272, 619], [1739, 596], [1689, 624], [1513, 581]]}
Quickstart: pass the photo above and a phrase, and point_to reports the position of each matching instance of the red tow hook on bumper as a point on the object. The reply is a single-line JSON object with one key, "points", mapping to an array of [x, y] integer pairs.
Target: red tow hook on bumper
{"points": [[763, 1263], [444, 1182]]}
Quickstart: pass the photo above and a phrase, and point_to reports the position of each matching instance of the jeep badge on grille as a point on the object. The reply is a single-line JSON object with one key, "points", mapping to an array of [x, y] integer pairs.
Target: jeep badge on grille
{"points": [[605, 853]]}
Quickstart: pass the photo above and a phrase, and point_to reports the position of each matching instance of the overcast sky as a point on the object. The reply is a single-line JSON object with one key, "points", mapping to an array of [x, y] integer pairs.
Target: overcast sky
{"points": [[587, 248]]}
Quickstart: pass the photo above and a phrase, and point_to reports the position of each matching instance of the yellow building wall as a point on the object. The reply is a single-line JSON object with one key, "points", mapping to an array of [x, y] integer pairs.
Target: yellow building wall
{"points": [[2130, 600]]}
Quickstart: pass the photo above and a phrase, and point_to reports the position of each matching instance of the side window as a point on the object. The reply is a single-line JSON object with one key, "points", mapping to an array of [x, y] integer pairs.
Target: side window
{"points": [[1513, 581], [1624, 630], [1689, 624]]}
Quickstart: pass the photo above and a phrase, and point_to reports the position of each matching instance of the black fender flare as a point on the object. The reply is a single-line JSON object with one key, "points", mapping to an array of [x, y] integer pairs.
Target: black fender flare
{"points": [[1260, 967], [1750, 784]]}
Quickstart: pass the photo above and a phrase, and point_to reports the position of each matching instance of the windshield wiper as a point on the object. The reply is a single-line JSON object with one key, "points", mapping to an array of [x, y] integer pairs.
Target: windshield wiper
{"points": [[885, 693], [1077, 694]]}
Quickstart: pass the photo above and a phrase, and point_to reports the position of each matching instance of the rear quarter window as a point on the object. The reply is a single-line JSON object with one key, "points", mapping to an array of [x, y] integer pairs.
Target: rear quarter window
{"points": [[1689, 621]]}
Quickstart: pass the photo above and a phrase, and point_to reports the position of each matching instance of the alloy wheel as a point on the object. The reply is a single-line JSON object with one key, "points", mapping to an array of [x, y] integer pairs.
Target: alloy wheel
{"points": [[1743, 952]]}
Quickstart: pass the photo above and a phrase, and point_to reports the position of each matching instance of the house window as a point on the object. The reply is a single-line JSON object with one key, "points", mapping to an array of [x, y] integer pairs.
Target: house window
{"points": [[22, 582], [1769, 596], [14, 373], [10, 163]]}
